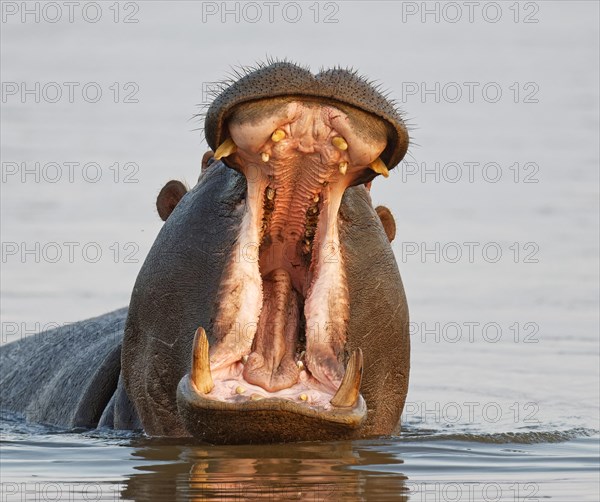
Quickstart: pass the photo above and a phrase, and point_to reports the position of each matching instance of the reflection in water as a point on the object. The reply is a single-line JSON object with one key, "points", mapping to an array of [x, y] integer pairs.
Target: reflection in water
{"points": [[308, 471]]}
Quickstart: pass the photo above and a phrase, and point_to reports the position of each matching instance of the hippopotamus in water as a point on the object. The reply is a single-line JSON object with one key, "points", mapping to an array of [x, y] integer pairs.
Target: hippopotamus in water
{"points": [[270, 307]]}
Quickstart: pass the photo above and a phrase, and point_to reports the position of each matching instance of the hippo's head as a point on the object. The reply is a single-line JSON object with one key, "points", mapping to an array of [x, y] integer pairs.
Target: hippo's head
{"points": [[270, 307]]}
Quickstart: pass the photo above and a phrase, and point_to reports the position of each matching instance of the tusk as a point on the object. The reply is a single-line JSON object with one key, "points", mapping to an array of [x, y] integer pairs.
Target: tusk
{"points": [[347, 395], [278, 135], [200, 373], [379, 167], [339, 143], [225, 149]]}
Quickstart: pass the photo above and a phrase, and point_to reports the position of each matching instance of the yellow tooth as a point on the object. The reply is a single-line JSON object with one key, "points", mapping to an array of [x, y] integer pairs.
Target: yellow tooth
{"points": [[316, 198], [239, 389], [225, 149], [300, 365], [256, 397], [245, 358], [270, 193], [265, 157], [200, 372], [339, 142], [379, 167], [343, 167], [349, 390], [303, 397], [278, 135]]}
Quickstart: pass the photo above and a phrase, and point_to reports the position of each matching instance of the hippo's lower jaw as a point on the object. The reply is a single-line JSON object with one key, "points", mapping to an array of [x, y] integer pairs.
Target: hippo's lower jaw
{"points": [[264, 420], [278, 339]]}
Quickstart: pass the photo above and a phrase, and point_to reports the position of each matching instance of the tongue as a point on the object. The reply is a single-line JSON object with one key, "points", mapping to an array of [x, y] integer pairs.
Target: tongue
{"points": [[271, 363]]}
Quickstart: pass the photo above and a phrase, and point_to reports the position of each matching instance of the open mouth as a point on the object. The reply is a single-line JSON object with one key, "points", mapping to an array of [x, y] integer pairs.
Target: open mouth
{"points": [[278, 337], [283, 306]]}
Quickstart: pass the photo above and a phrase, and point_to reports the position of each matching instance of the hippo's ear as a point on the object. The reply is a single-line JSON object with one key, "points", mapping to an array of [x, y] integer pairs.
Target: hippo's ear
{"points": [[207, 159], [169, 197], [388, 222]]}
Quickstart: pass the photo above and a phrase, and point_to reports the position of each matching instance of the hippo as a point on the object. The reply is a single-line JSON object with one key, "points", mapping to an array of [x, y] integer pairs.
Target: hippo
{"points": [[270, 307]]}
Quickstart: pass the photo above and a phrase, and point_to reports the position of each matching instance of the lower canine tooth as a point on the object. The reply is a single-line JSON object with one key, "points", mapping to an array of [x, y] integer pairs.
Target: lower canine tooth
{"points": [[245, 358], [347, 395], [270, 193], [343, 167], [303, 397], [225, 149], [265, 157], [200, 372], [379, 167], [300, 365]]}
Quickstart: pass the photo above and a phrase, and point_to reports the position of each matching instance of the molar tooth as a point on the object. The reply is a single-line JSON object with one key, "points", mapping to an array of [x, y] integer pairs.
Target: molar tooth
{"points": [[200, 372], [339, 142], [265, 156], [343, 167], [270, 192], [239, 389], [278, 135], [225, 149], [348, 392], [379, 167]]}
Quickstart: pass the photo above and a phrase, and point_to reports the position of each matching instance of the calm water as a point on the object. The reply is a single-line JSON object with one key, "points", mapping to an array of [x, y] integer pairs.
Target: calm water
{"points": [[497, 214]]}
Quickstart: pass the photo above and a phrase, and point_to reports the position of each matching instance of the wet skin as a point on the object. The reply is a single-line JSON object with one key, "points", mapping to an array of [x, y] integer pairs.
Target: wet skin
{"points": [[270, 307]]}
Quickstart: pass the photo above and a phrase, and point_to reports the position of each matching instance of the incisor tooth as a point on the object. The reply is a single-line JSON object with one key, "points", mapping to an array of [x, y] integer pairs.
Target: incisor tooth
{"points": [[278, 135], [339, 142], [225, 149], [343, 167], [200, 372], [379, 167], [347, 395], [265, 157]]}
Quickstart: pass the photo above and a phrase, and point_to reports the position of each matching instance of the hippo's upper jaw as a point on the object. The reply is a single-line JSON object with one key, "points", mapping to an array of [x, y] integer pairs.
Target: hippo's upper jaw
{"points": [[278, 341]]}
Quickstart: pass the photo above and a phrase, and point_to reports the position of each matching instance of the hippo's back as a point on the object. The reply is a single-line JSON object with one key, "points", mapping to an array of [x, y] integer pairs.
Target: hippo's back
{"points": [[64, 376]]}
